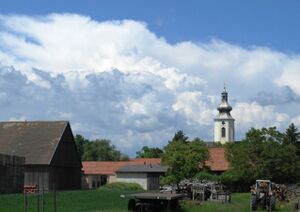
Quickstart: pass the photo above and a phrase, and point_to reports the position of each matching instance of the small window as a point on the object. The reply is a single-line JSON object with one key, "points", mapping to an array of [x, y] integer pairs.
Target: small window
{"points": [[223, 132], [93, 184]]}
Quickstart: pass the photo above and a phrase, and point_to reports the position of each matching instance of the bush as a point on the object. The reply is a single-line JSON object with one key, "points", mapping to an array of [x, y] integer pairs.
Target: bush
{"points": [[204, 175], [234, 182], [123, 186]]}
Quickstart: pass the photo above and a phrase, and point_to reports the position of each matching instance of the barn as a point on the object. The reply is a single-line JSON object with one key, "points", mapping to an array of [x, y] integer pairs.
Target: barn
{"points": [[11, 174], [51, 157]]}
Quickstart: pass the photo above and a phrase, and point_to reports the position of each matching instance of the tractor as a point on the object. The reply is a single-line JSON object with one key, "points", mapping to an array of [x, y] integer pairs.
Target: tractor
{"points": [[262, 195]]}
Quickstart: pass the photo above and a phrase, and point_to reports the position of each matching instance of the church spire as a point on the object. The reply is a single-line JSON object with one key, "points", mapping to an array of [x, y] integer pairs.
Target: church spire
{"points": [[224, 123], [224, 107]]}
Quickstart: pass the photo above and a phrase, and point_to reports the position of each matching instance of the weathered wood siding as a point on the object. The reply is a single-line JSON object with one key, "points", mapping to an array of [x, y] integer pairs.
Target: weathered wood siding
{"points": [[65, 167], [37, 175], [11, 173]]}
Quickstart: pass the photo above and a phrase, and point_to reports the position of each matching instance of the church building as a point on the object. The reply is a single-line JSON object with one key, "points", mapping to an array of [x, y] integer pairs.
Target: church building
{"points": [[224, 122]]}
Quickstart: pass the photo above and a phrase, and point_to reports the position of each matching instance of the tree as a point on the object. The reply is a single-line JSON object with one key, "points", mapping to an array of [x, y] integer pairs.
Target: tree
{"points": [[184, 158], [148, 152], [292, 136], [98, 150], [262, 154], [80, 143]]}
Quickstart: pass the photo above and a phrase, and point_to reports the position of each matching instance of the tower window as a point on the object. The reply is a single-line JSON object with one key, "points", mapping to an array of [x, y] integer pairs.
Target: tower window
{"points": [[223, 132]]}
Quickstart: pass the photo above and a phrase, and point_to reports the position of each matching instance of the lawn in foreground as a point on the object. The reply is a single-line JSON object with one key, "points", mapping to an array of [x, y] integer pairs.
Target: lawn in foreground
{"points": [[109, 200], [85, 200], [240, 202]]}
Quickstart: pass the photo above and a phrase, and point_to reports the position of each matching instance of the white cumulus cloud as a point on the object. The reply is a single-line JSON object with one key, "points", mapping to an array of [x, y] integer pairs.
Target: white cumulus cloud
{"points": [[119, 80]]}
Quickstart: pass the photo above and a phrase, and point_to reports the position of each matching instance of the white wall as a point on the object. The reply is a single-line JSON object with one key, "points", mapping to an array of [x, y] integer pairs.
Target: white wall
{"points": [[92, 181], [140, 178], [229, 128]]}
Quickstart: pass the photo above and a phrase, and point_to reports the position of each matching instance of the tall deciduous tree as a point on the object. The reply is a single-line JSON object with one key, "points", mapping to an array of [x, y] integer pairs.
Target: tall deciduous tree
{"points": [[184, 158], [149, 152], [98, 150], [263, 155]]}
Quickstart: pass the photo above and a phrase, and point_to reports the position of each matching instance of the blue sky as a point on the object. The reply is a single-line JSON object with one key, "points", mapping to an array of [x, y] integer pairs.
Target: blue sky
{"points": [[137, 72], [268, 23]]}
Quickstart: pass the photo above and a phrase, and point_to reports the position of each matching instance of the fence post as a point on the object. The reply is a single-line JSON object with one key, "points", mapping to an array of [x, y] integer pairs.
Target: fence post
{"points": [[25, 202], [54, 197]]}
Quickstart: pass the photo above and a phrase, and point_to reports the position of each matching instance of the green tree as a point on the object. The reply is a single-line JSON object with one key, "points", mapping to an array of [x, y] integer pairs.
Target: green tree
{"points": [[184, 158], [148, 152], [262, 154], [98, 150], [80, 144], [292, 136]]}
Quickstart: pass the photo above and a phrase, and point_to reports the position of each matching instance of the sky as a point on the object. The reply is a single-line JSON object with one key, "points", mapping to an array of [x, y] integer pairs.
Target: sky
{"points": [[135, 72]]}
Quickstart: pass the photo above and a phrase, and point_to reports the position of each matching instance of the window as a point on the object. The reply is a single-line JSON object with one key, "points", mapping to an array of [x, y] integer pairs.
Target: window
{"points": [[223, 132], [93, 184]]}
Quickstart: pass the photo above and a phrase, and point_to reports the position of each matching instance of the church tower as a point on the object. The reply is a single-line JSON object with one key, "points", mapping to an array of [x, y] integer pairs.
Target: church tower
{"points": [[224, 123]]}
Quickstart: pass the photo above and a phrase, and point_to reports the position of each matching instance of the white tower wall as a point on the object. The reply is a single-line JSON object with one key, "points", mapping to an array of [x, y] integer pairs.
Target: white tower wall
{"points": [[228, 124], [224, 123]]}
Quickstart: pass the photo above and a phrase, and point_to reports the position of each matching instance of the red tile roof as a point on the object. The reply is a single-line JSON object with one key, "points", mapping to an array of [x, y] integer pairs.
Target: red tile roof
{"points": [[110, 167], [217, 161]]}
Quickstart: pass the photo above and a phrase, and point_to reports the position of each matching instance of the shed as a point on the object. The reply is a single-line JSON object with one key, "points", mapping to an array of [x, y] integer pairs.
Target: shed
{"points": [[98, 173], [51, 157], [147, 175]]}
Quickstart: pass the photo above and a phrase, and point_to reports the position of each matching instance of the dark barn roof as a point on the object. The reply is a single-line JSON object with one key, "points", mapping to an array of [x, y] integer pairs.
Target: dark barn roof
{"points": [[35, 140], [148, 168]]}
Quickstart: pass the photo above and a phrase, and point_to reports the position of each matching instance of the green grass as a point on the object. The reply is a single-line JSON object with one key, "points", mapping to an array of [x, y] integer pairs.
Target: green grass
{"points": [[108, 200], [240, 202], [123, 186], [87, 200]]}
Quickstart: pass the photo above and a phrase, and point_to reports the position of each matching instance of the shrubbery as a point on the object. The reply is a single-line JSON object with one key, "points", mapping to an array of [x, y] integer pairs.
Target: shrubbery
{"points": [[123, 186], [204, 175]]}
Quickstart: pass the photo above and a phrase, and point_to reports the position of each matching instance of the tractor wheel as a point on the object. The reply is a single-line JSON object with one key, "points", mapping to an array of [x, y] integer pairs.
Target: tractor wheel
{"points": [[272, 203], [253, 203]]}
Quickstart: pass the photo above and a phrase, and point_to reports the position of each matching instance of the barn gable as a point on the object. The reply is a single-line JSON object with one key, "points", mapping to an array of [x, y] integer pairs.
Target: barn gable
{"points": [[51, 157], [66, 153], [36, 141]]}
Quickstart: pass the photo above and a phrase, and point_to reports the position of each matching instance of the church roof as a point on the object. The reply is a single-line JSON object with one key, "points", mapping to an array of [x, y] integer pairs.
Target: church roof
{"points": [[224, 116], [217, 160]]}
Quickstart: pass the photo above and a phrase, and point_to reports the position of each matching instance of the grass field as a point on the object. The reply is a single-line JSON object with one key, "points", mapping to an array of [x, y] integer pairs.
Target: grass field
{"points": [[109, 200], [240, 202]]}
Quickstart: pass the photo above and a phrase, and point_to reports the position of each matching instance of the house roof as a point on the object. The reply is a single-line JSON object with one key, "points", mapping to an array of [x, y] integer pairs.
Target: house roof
{"points": [[217, 161], [110, 167], [34, 140], [142, 168]]}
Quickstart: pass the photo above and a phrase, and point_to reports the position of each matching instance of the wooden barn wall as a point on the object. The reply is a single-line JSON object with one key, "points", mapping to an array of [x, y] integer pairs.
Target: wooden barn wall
{"points": [[66, 154], [66, 165], [37, 175], [64, 178], [11, 174]]}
